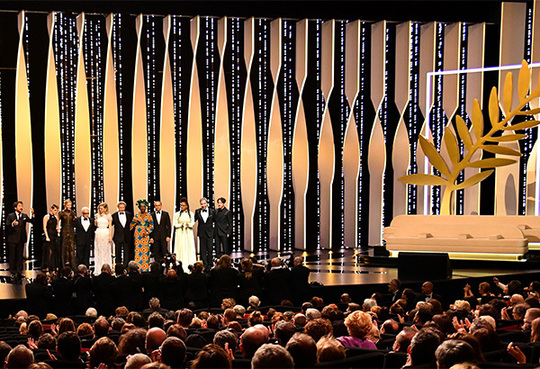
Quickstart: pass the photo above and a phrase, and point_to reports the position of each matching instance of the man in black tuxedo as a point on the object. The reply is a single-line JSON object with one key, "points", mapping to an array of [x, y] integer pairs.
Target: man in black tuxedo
{"points": [[427, 293], [277, 282], [204, 216], [161, 235], [300, 281], [223, 221], [122, 234], [394, 289], [103, 290], [84, 236], [16, 231]]}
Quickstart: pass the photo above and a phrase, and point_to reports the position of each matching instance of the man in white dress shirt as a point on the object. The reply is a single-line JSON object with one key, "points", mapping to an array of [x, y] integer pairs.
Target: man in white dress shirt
{"points": [[122, 234], [84, 236]]}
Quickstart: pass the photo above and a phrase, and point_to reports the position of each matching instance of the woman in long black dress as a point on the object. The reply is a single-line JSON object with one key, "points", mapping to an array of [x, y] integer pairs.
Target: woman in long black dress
{"points": [[67, 217], [51, 254]]}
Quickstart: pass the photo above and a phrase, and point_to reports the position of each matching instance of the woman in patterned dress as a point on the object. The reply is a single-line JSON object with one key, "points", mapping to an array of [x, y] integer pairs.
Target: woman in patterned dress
{"points": [[67, 218], [143, 225]]}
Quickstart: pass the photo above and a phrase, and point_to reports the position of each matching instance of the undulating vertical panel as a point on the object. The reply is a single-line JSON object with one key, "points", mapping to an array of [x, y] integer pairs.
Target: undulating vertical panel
{"points": [[167, 131], [300, 153], [475, 90], [427, 64], [139, 141], [23, 129], [513, 20], [351, 148], [51, 139], [194, 152], [326, 158], [222, 146], [83, 149], [401, 161], [111, 156], [248, 152], [377, 148], [274, 164]]}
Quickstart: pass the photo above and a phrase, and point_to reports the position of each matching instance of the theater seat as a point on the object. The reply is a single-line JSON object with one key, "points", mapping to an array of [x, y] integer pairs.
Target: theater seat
{"points": [[395, 360], [372, 360]]}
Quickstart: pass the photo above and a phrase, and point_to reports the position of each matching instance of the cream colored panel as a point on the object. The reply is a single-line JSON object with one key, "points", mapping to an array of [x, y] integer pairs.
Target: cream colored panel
{"points": [[326, 156], [475, 90], [377, 150], [452, 52], [111, 148], [51, 140], [507, 182], [274, 159], [222, 145], [194, 163], [400, 160], [83, 148], [512, 39], [167, 139], [532, 182], [24, 167], [300, 151], [139, 138], [248, 152], [351, 148]]}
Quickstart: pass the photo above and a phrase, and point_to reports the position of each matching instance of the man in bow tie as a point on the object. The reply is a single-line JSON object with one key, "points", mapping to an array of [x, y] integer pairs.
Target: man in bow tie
{"points": [[161, 235], [121, 220], [84, 236], [16, 237], [204, 216]]}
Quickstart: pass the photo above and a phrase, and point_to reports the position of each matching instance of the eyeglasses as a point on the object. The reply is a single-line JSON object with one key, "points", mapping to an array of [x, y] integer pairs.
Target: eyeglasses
{"points": [[86, 213]]}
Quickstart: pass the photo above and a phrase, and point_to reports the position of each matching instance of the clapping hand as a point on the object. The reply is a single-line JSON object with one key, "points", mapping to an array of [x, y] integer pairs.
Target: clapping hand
{"points": [[31, 344], [516, 353]]}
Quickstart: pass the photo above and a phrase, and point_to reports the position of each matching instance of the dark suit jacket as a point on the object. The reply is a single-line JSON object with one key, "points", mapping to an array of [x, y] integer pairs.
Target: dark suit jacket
{"points": [[38, 298], [205, 229], [163, 229], [122, 234], [84, 237], [63, 291], [300, 278], [17, 234], [278, 284], [223, 220], [103, 290]]}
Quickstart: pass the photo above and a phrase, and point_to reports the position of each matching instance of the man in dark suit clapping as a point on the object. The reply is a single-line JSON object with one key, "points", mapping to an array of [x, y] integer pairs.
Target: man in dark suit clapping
{"points": [[84, 236], [16, 237], [223, 221], [205, 231], [122, 234], [161, 235]]}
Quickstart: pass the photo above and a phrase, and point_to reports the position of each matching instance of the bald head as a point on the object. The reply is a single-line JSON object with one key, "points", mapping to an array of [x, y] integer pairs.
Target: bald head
{"points": [[251, 340], [275, 262], [154, 338], [516, 299]]}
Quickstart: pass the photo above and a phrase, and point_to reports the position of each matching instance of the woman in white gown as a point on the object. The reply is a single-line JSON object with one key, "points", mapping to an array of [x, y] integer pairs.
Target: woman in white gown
{"points": [[184, 241], [103, 237]]}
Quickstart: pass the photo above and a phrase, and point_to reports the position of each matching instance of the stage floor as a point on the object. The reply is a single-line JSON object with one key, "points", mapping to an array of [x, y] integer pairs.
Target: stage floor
{"points": [[329, 269]]}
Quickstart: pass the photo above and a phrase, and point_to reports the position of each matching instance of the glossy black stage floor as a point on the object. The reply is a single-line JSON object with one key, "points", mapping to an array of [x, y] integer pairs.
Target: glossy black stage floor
{"points": [[358, 272]]}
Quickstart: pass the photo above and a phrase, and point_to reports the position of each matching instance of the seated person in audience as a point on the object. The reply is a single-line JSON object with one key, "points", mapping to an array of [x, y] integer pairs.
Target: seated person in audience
{"points": [[403, 339], [176, 330], [185, 316], [272, 356], [422, 348], [19, 357], [344, 301], [329, 349], [173, 352], [390, 326], [156, 320], [277, 282], [101, 327], [154, 305], [368, 304], [251, 340], [452, 352], [312, 314], [254, 303], [137, 361], [154, 339], [299, 320], [68, 348], [426, 293], [103, 352], [132, 342], [303, 350], [318, 328], [226, 336], [359, 326], [212, 356], [39, 296], [46, 342], [283, 331]]}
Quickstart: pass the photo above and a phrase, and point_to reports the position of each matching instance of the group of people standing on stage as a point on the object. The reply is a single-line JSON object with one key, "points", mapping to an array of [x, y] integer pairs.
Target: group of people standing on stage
{"points": [[121, 236]]}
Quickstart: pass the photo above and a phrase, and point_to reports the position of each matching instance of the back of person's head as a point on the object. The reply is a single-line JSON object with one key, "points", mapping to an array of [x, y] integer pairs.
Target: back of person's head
{"points": [[254, 302], [137, 361], [176, 330], [368, 304], [284, 331], [255, 318], [69, 345], [132, 341], [305, 306], [345, 298], [358, 324], [136, 319], [156, 320], [119, 269], [514, 286], [229, 314], [121, 311], [212, 356], [453, 352], [91, 312], [226, 336], [272, 356], [196, 340], [300, 319], [471, 340], [85, 329], [329, 349], [423, 314], [155, 365], [251, 340], [117, 323], [103, 351], [46, 342], [318, 328], [312, 314], [5, 348], [488, 309], [101, 327], [173, 352], [35, 329], [423, 346], [19, 357], [66, 325], [239, 310], [390, 326], [303, 350], [403, 339], [489, 339], [185, 316], [39, 365], [154, 338], [213, 322]]}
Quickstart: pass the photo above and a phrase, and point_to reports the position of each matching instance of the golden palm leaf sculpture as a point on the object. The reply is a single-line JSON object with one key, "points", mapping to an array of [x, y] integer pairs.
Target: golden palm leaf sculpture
{"points": [[488, 142]]}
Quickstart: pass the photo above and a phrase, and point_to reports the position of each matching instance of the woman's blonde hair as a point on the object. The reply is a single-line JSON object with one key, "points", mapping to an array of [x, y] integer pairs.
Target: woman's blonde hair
{"points": [[105, 207], [358, 324]]}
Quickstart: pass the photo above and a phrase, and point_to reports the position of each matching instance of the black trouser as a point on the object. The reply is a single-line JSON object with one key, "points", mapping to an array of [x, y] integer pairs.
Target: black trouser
{"points": [[159, 249], [83, 255], [122, 253], [222, 245], [206, 246], [15, 257]]}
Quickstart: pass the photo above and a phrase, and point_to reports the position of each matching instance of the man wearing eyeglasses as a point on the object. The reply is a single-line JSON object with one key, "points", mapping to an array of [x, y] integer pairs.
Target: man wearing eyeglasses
{"points": [[84, 236]]}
